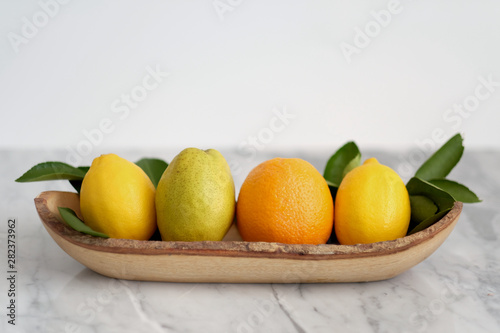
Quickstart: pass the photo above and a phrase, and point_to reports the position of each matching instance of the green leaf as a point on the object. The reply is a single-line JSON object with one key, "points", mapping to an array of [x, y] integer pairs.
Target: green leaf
{"points": [[442, 199], [51, 171], [344, 160], [442, 161], [355, 162], [330, 183], [153, 167], [77, 184], [421, 208], [429, 221], [458, 191], [69, 216]]}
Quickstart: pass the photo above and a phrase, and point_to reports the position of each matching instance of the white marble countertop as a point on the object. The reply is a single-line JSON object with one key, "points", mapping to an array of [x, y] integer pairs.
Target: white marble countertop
{"points": [[457, 289]]}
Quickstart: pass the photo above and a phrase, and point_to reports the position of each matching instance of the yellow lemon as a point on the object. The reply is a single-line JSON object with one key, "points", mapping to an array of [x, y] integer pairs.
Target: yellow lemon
{"points": [[118, 198], [372, 205]]}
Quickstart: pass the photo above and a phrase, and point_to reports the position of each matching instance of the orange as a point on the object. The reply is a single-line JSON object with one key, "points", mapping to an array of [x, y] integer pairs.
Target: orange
{"points": [[285, 200]]}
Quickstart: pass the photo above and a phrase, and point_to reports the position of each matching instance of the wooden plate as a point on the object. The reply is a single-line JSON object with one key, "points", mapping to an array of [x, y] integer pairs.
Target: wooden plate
{"points": [[235, 261]]}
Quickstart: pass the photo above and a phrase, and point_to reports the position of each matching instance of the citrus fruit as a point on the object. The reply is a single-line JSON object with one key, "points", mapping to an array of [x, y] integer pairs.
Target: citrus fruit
{"points": [[285, 200], [118, 198], [372, 205], [195, 199]]}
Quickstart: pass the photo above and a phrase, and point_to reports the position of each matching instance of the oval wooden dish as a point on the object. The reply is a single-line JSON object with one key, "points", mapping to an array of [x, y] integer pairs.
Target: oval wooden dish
{"points": [[235, 261]]}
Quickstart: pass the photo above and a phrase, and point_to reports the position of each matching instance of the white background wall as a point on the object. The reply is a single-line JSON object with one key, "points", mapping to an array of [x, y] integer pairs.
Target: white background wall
{"points": [[63, 74]]}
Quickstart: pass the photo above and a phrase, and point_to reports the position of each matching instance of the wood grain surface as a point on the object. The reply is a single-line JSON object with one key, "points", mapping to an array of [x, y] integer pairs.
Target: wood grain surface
{"points": [[235, 261]]}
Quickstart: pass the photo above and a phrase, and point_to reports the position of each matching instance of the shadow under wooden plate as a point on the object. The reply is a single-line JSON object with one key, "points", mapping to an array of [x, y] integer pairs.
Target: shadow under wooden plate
{"points": [[235, 261]]}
